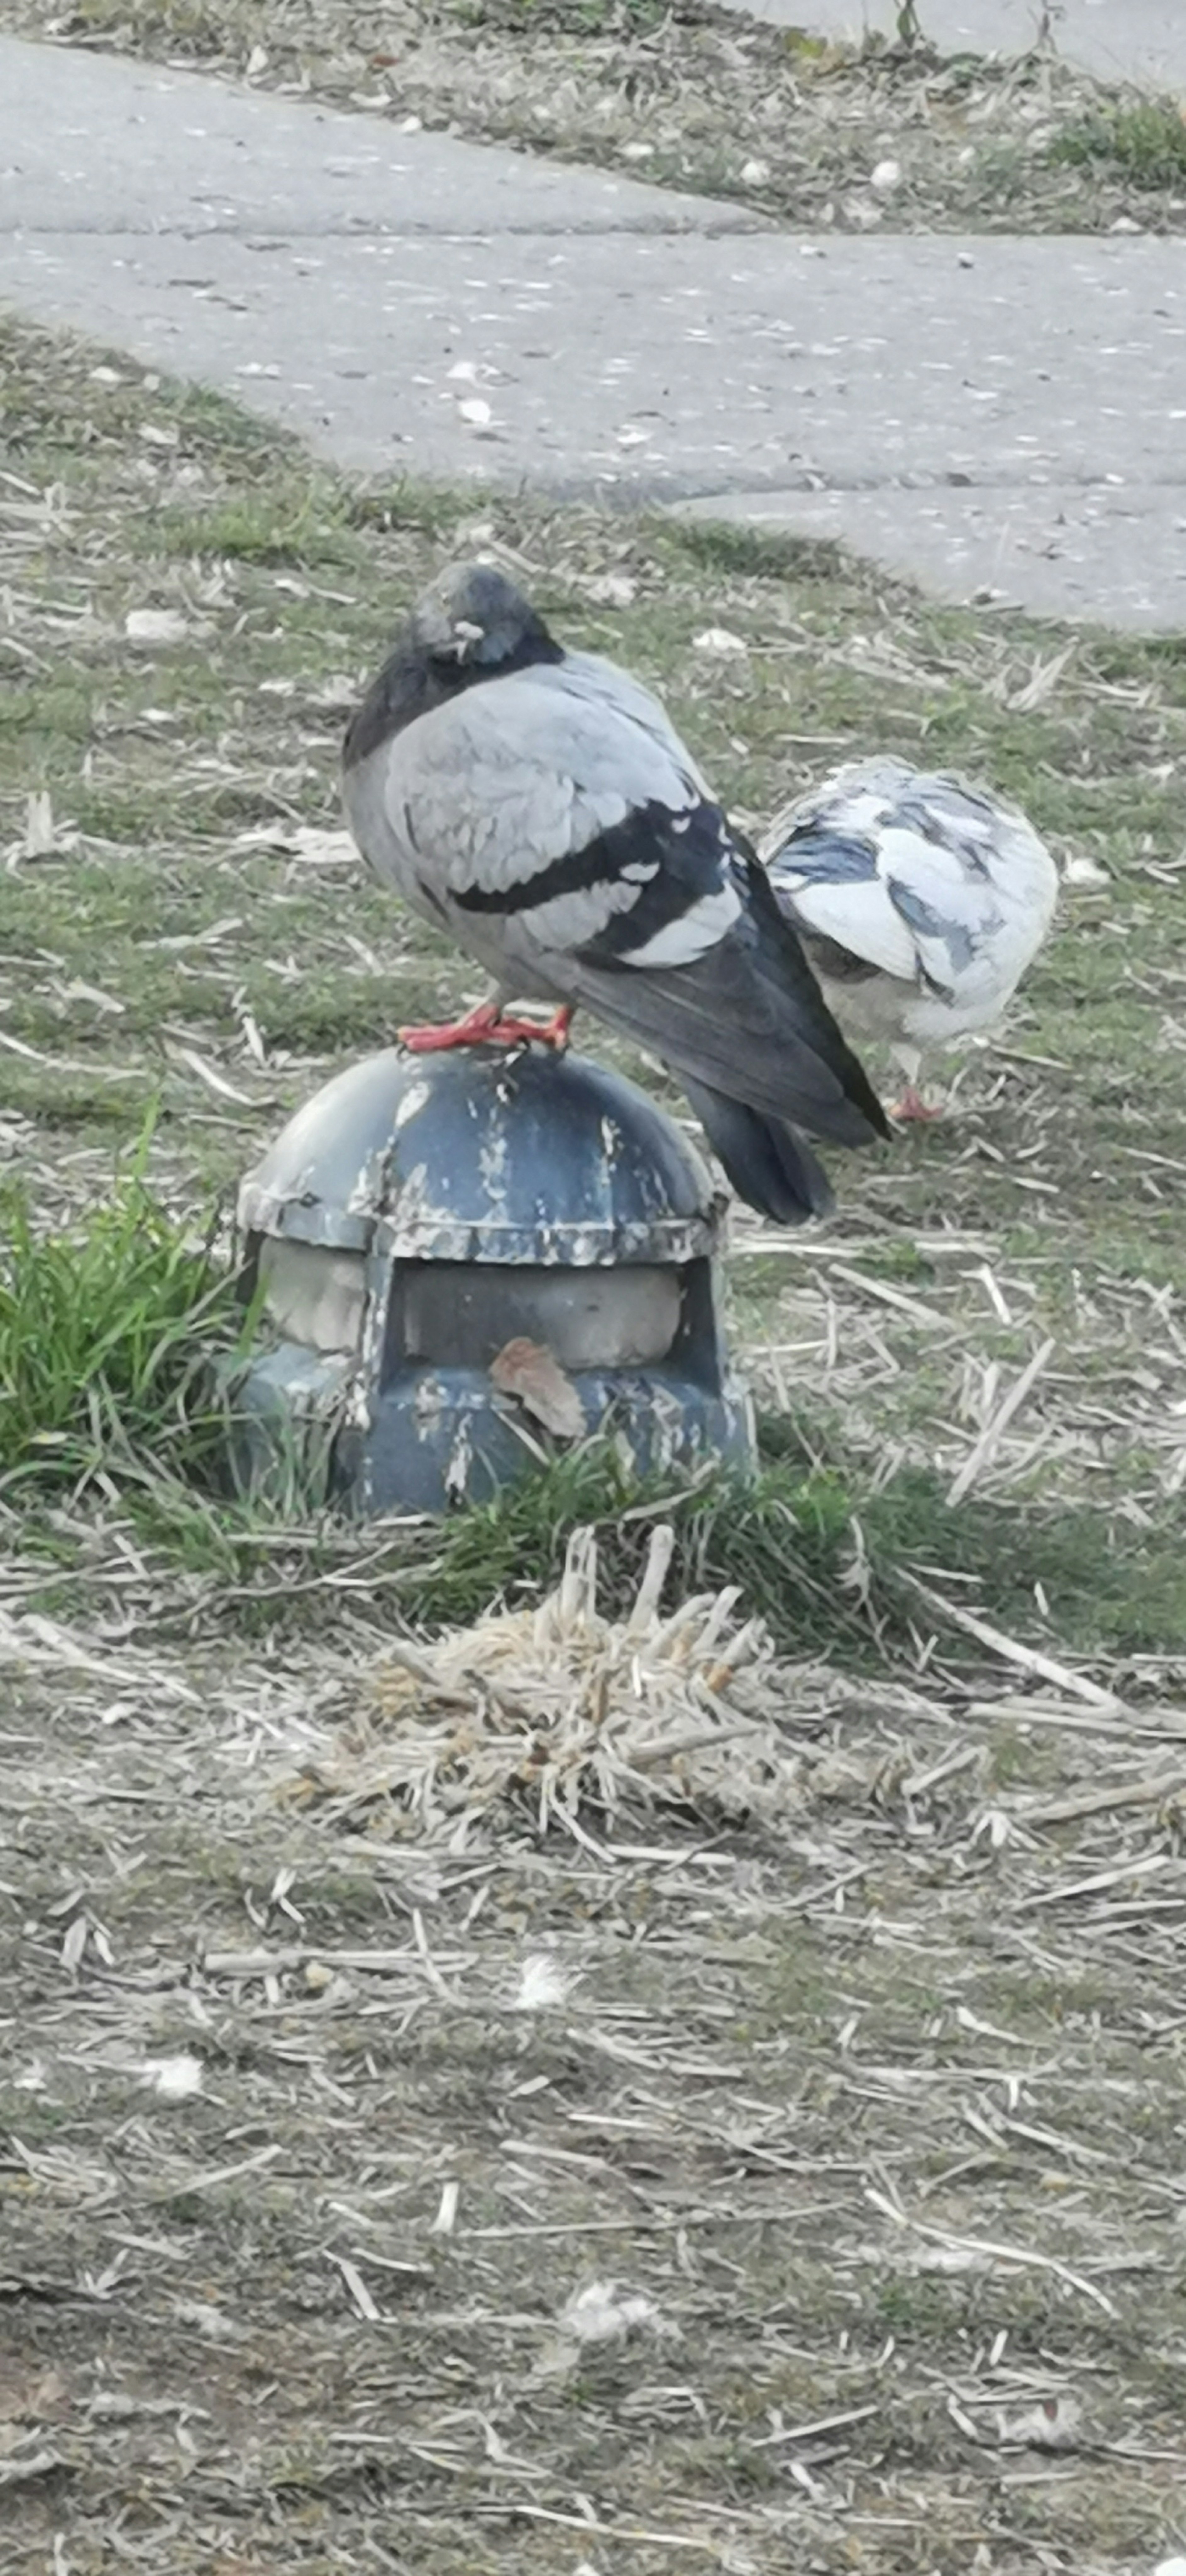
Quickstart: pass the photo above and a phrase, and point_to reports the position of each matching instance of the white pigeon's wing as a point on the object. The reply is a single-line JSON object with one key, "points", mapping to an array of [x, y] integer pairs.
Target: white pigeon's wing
{"points": [[831, 884], [916, 876]]}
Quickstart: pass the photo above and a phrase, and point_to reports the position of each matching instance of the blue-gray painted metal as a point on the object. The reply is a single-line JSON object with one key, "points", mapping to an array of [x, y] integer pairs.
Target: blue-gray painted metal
{"points": [[466, 1185], [474, 1155]]}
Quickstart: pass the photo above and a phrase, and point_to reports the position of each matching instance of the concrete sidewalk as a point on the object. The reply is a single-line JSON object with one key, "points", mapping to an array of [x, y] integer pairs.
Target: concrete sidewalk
{"points": [[1139, 40], [1001, 416]]}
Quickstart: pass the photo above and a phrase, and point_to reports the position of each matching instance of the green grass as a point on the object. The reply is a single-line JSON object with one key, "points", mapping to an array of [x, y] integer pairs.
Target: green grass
{"points": [[789, 1539], [106, 1331], [1143, 144]]}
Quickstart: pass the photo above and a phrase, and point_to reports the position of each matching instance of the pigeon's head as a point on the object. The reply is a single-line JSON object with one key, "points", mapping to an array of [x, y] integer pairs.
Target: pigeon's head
{"points": [[474, 621], [471, 624]]}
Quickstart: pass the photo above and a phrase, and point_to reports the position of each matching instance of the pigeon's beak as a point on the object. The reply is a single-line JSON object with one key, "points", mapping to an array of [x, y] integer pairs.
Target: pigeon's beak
{"points": [[465, 634]]}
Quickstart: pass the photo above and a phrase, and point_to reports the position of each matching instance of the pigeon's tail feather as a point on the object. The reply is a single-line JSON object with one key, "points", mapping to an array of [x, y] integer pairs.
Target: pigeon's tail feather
{"points": [[725, 1021], [782, 958], [763, 1159], [747, 1017]]}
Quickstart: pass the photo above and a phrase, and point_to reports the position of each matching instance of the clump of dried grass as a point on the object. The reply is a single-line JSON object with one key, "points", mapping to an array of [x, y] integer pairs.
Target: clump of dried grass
{"points": [[556, 1710]]}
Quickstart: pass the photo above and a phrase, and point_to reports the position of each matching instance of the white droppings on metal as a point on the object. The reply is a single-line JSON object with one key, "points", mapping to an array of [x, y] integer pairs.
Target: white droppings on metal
{"points": [[670, 1430], [415, 1208], [362, 1196], [357, 1414], [461, 1459], [429, 1401], [576, 1247], [370, 1351], [494, 1160], [411, 1104]]}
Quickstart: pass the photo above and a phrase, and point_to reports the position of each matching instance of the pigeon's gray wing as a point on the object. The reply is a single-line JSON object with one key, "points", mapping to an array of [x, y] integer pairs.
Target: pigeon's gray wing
{"points": [[603, 680], [538, 807], [554, 822], [746, 1019]]}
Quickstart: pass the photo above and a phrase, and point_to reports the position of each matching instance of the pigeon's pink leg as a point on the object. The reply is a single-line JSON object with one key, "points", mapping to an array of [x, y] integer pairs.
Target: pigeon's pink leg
{"points": [[912, 1106], [487, 1027]]}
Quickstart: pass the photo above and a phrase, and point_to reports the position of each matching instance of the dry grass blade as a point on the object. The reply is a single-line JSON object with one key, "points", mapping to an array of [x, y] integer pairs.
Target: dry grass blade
{"points": [[1013, 1651], [991, 1436], [991, 2250]]}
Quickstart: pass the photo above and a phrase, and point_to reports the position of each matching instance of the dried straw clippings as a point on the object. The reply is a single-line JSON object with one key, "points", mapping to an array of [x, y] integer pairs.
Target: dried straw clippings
{"points": [[558, 1711]]}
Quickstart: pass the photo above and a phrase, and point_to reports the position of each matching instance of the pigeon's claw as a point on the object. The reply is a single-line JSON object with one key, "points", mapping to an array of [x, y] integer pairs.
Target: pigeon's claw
{"points": [[487, 1027]]}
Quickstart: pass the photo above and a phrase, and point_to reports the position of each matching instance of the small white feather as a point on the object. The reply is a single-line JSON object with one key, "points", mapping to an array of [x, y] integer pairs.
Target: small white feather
{"points": [[176, 2079], [720, 641], [149, 626], [603, 2313], [542, 1982]]}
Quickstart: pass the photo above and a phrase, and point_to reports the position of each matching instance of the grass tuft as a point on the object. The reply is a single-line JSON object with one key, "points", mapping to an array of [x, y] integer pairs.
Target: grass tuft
{"points": [[107, 1330], [823, 1555], [1143, 144], [105, 1333]]}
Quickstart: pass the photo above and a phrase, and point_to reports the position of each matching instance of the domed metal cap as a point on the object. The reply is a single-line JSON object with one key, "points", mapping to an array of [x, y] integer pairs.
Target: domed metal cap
{"points": [[476, 1156]]}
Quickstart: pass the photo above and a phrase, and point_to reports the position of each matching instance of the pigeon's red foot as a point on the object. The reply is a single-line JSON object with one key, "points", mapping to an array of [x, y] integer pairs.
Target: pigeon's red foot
{"points": [[912, 1106], [487, 1027]]}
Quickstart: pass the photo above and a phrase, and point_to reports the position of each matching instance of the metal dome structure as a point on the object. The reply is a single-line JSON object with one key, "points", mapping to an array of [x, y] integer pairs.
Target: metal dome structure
{"points": [[422, 1213]]}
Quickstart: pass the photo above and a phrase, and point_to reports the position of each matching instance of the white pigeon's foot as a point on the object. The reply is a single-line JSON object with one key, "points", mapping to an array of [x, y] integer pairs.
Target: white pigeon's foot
{"points": [[912, 1107]]}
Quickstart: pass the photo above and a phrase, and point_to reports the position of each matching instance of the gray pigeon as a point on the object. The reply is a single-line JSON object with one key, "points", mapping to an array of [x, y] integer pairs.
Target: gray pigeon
{"points": [[539, 806]]}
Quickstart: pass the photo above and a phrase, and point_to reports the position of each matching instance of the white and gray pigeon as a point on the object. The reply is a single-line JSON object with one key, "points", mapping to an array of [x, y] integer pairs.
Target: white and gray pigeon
{"points": [[920, 902], [539, 805]]}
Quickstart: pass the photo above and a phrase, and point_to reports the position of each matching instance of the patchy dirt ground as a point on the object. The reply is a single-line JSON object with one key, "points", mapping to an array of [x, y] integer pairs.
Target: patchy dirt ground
{"points": [[768, 2201], [693, 96], [819, 2201]]}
